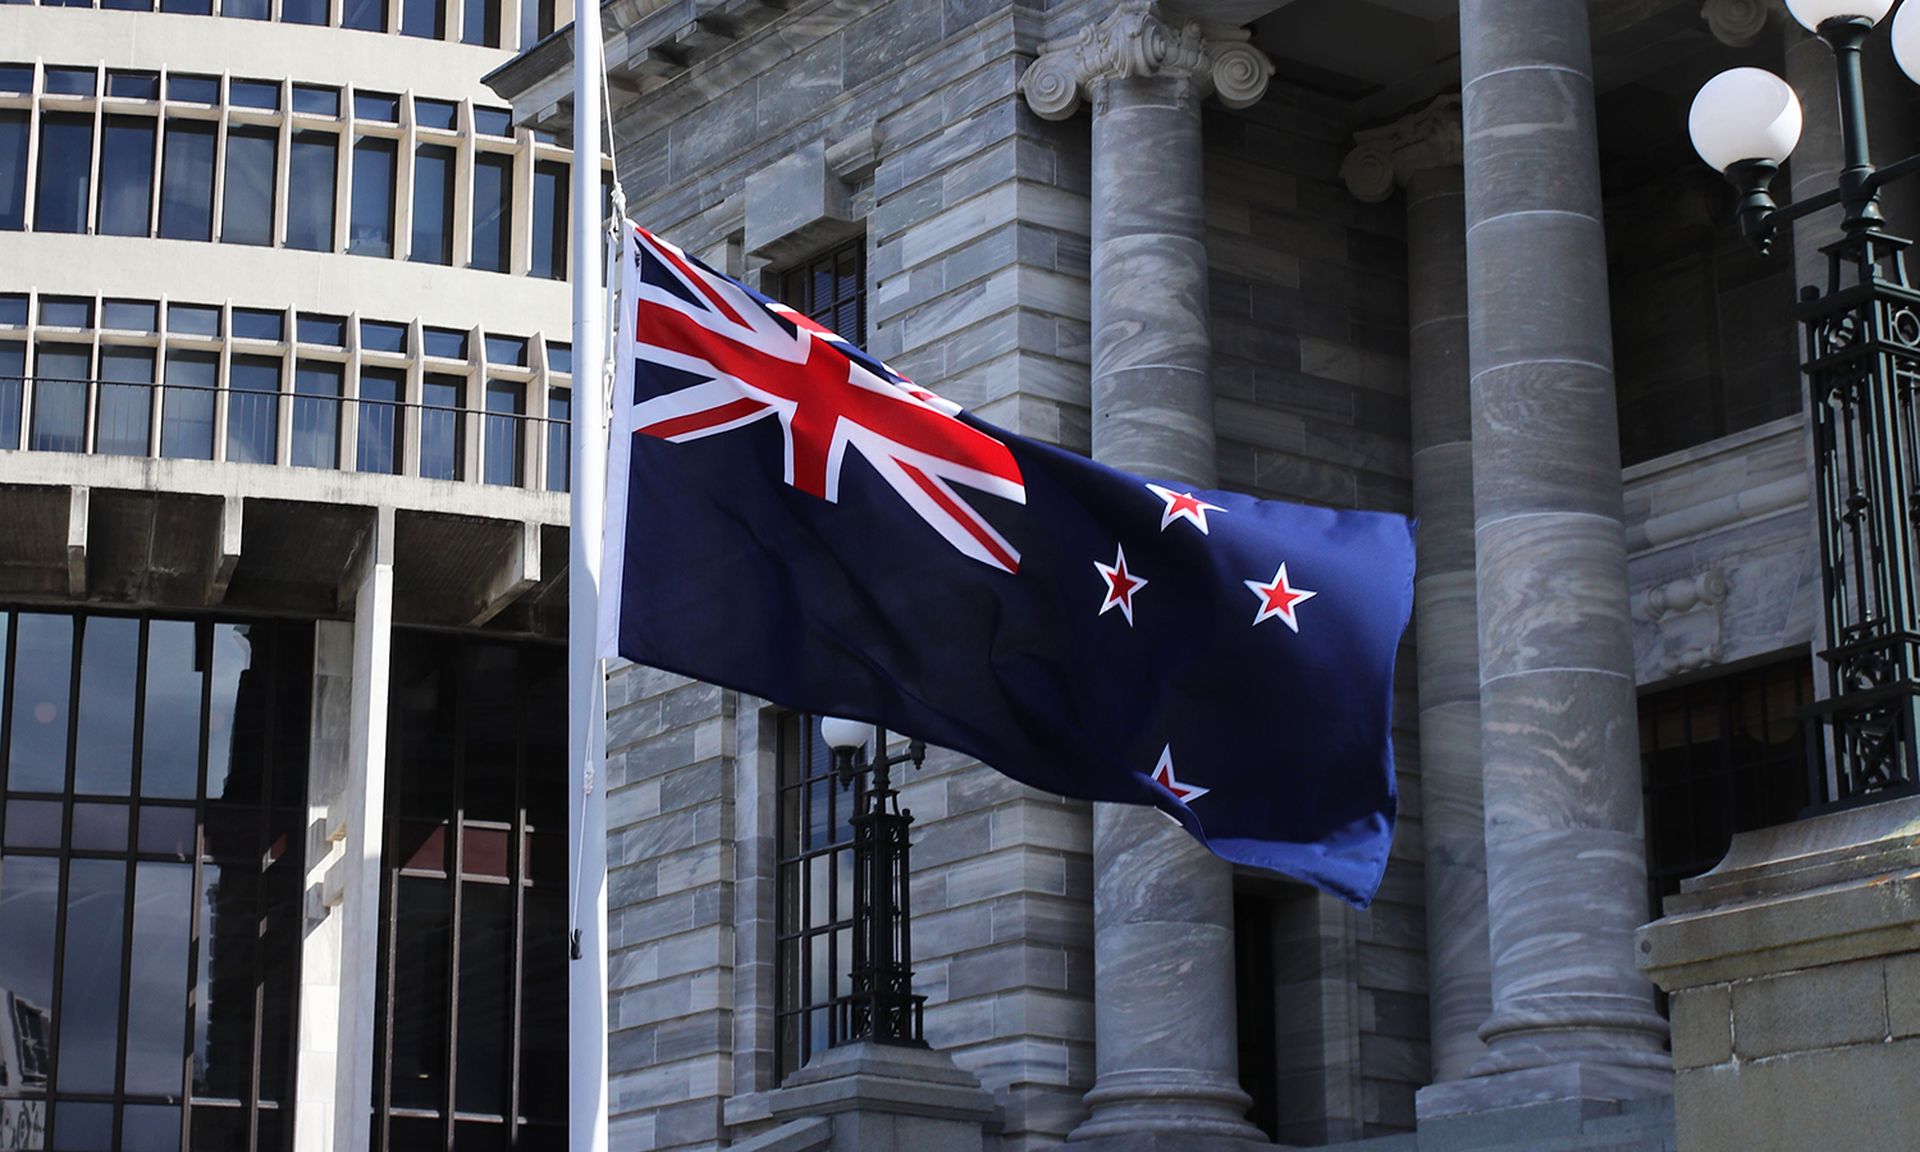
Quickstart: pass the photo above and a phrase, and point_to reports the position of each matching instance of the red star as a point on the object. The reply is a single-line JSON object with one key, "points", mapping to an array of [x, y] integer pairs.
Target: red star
{"points": [[1121, 584], [1163, 776], [1279, 599], [1183, 506]]}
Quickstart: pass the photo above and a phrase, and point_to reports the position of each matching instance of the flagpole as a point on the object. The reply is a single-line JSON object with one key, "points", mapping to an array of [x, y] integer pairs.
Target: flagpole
{"points": [[586, 681]]}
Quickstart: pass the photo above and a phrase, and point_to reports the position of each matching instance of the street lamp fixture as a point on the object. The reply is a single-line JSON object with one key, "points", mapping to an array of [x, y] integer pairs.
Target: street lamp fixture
{"points": [[1861, 358], [882, 1006]]}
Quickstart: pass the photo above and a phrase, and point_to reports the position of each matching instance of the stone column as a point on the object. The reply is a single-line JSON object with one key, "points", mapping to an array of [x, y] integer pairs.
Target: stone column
{"points": [[1566, 866], [1421, 153], [1164, 1037]]}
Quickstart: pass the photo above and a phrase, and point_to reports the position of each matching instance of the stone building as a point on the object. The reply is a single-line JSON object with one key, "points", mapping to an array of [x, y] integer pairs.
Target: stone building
{"points": [[284, 385], [1455, 260]]}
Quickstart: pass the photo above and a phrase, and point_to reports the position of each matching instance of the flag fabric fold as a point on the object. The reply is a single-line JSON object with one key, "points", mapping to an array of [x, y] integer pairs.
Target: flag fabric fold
{"points": [[790, 517]]}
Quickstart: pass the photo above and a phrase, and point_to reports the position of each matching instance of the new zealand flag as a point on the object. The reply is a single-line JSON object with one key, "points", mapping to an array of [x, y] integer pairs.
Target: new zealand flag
{"points": [[792, 518]]}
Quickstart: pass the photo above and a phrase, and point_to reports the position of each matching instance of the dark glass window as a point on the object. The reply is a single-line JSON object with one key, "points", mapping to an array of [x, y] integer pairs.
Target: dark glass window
{"points": [[370, 225], [126, 176], [121, 5], [253, 408], [247, 9], [16, 79], [366, 15], [130, 315], [536, 21], [186, 180], [480, 22], [381, 392], [446, 342], [382, 336], [312, 163], [472, 987], [314, 328], [193, 319], [188, 7], [442, 436], [123, 419], [66, 169], [193, 89], [549, 220], [246, 214], [303, 12], [186, 415], [510, 350], [133, 85], [61, 372], [504, 443], [13, 389], [559, 357], [433, 168], [13, 309], [66, 311], [381, 106], [814, 911], [316, 414], [424, 18], [13, 171], [493, 121], [436, 113], [70, 81], [559, 440], [259, 323], [832, 289], [492, 210], [1718, 757], [312, 100], [253, 93]]}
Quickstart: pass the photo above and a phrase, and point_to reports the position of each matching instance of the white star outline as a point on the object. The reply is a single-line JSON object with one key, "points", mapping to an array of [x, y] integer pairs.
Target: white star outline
{"points": [[1117, 574], [1183, 506], [1293, 598], [1163, 776]]}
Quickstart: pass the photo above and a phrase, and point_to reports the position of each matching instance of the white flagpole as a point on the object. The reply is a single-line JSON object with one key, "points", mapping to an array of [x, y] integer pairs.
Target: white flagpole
{"points": [[586, 680]]}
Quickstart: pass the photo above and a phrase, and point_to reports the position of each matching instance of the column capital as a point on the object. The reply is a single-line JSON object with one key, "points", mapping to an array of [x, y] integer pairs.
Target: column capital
{"points": [[1384, 157], [1738, 23], [1137, 40]]}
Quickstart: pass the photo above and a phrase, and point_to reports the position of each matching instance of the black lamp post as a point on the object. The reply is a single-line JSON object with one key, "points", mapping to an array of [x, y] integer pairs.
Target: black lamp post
{"points": [[882, 1006], [1862, 361]]}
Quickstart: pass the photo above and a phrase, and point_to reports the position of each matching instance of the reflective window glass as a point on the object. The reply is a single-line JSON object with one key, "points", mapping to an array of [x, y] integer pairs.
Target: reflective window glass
{"points": [[157, 992], [480, 22], [316, 414], [35, 823], [370, 225], [123, 420], [253, 93], [13, 170], [492, 210], [133, 85], [366, 15], [549, 220], [29, 911], [447, 342], [170, 734], [192, 89], [66, 311], [316, 101], [559, 440], [303, 12], [559, 357], [70, 81], [536, 21], [381, 336], [253, 408], [188, 7], [66, 168], [123, 5], [493, 121], [511, 350], [61, 372], [130, 315], [13, 389], [88, 1036], [233, 735], [433, 167], [312, 163], [314, 328], [126, 176], [502, 440], [42, 668], [380, 106], [247, 9], [109, 696], [258, 323], [246, 214], [436, 113], [193, 319], [13, 309], [16, 79], [186, 413], [424, 18], [186, 180], [381, 391], [442, 441]]}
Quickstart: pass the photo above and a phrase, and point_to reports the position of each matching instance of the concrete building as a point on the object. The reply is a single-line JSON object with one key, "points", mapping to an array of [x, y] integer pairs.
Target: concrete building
{"points": [[1456, 260], [284, 394]]}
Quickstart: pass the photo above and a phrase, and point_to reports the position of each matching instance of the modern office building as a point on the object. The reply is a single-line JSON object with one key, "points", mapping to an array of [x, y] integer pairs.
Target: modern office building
{"points": [[1456, 260], [284, 396]]}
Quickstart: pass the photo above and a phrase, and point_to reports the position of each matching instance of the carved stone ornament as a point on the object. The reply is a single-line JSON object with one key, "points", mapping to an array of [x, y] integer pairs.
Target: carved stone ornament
{"points": [[1384, 157], [1738, 23], [1687, 613], [1135, 40]]}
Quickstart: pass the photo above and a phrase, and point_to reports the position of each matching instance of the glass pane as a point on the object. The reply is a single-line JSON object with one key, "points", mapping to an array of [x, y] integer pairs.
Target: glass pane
{"points": [[247, 9], [130, 315], [258, 324], [442, 442], [218, 1129], [246, 216], [433, 204], [16, 79], [252, 93], [549, 220], [502, 433], [427, 113], [366, 15], [166, 831], [381, 336], [543, 1005], [126, 409], [423, 18], [42, 677], [381, 390], [149, 1127], [307, 98], [419, 993], [370, 227], [82, 1127], [234, 717], [170, 736], [253, 407], [126, 176], [70, 81], [193, 319], [316, 420], [492, 210], [13, 171], [29, 901], [311, 164], [13, 309], [559, 441], [493, 121], [134, 85], [486, 998], [192, 89], [445, 342], [100, 827], [511, 350], [157, 990], [109, 675], [13, 388], [66, 311], [380, 106], [224, 985], [560, 358], [280, 977], [186, 181], [34, 823], [480, 22], [536, 20], [186, 414], [66, 168], [89, 1029], [312, 328], [60, 398]]}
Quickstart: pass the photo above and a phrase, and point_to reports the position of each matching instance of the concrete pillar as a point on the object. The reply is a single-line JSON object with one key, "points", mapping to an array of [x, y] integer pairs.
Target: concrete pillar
{"points": [[1422, 153], [1566, 866], [1164, 1030]]}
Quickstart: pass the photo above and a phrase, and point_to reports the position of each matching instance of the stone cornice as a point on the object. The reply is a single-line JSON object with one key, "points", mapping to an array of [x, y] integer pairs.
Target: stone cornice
{"points": [[1384, 157], [1135, 40]]}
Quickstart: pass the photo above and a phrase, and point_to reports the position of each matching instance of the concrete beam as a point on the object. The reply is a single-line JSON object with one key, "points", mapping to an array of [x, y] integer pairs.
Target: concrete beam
{"points": [[517, 573], [79, 502], [226, 549], [373, 554]]}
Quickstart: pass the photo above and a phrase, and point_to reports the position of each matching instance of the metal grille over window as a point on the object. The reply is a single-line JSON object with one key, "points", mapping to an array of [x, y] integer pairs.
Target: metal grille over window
{"points": [[832, 289], [816, 876]]}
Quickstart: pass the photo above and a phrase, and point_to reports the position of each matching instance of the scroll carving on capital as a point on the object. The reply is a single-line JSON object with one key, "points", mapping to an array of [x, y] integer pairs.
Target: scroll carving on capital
{"points": [[1738, 23], [1384, 157], [1135, 40]]}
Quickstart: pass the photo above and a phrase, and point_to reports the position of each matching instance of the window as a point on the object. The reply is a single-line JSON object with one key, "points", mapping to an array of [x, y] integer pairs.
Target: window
{"points": [[814, 917], [153, 859], [559, 440], [66, 311], [253, 409], [314, 328], [381, 392], [560, 358], [433, 204], [480, 22], [16, 79], [133, 85], [424, 18], [366, 15], [383, 107], [472, 988], [493, 121], [186, 414], [193, 89], [258, 324], [536, 21], [312, 162], [447, 343], [61, 372], [70, 81], [303, 12], [263, 94], [13, 171], [370, 226], [314, 101], [186, 180], [504, 448], [247, 9], [66, 169], [444, 114], [13, 389], [382, 336], [442, 438], [194, 320], [492, 210], [126, 176], [316, 414], [188, 7], [130, 315], [246, 215], [508, 350], [123, 421], [549, 220], [832, 290], [13, 309]]}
